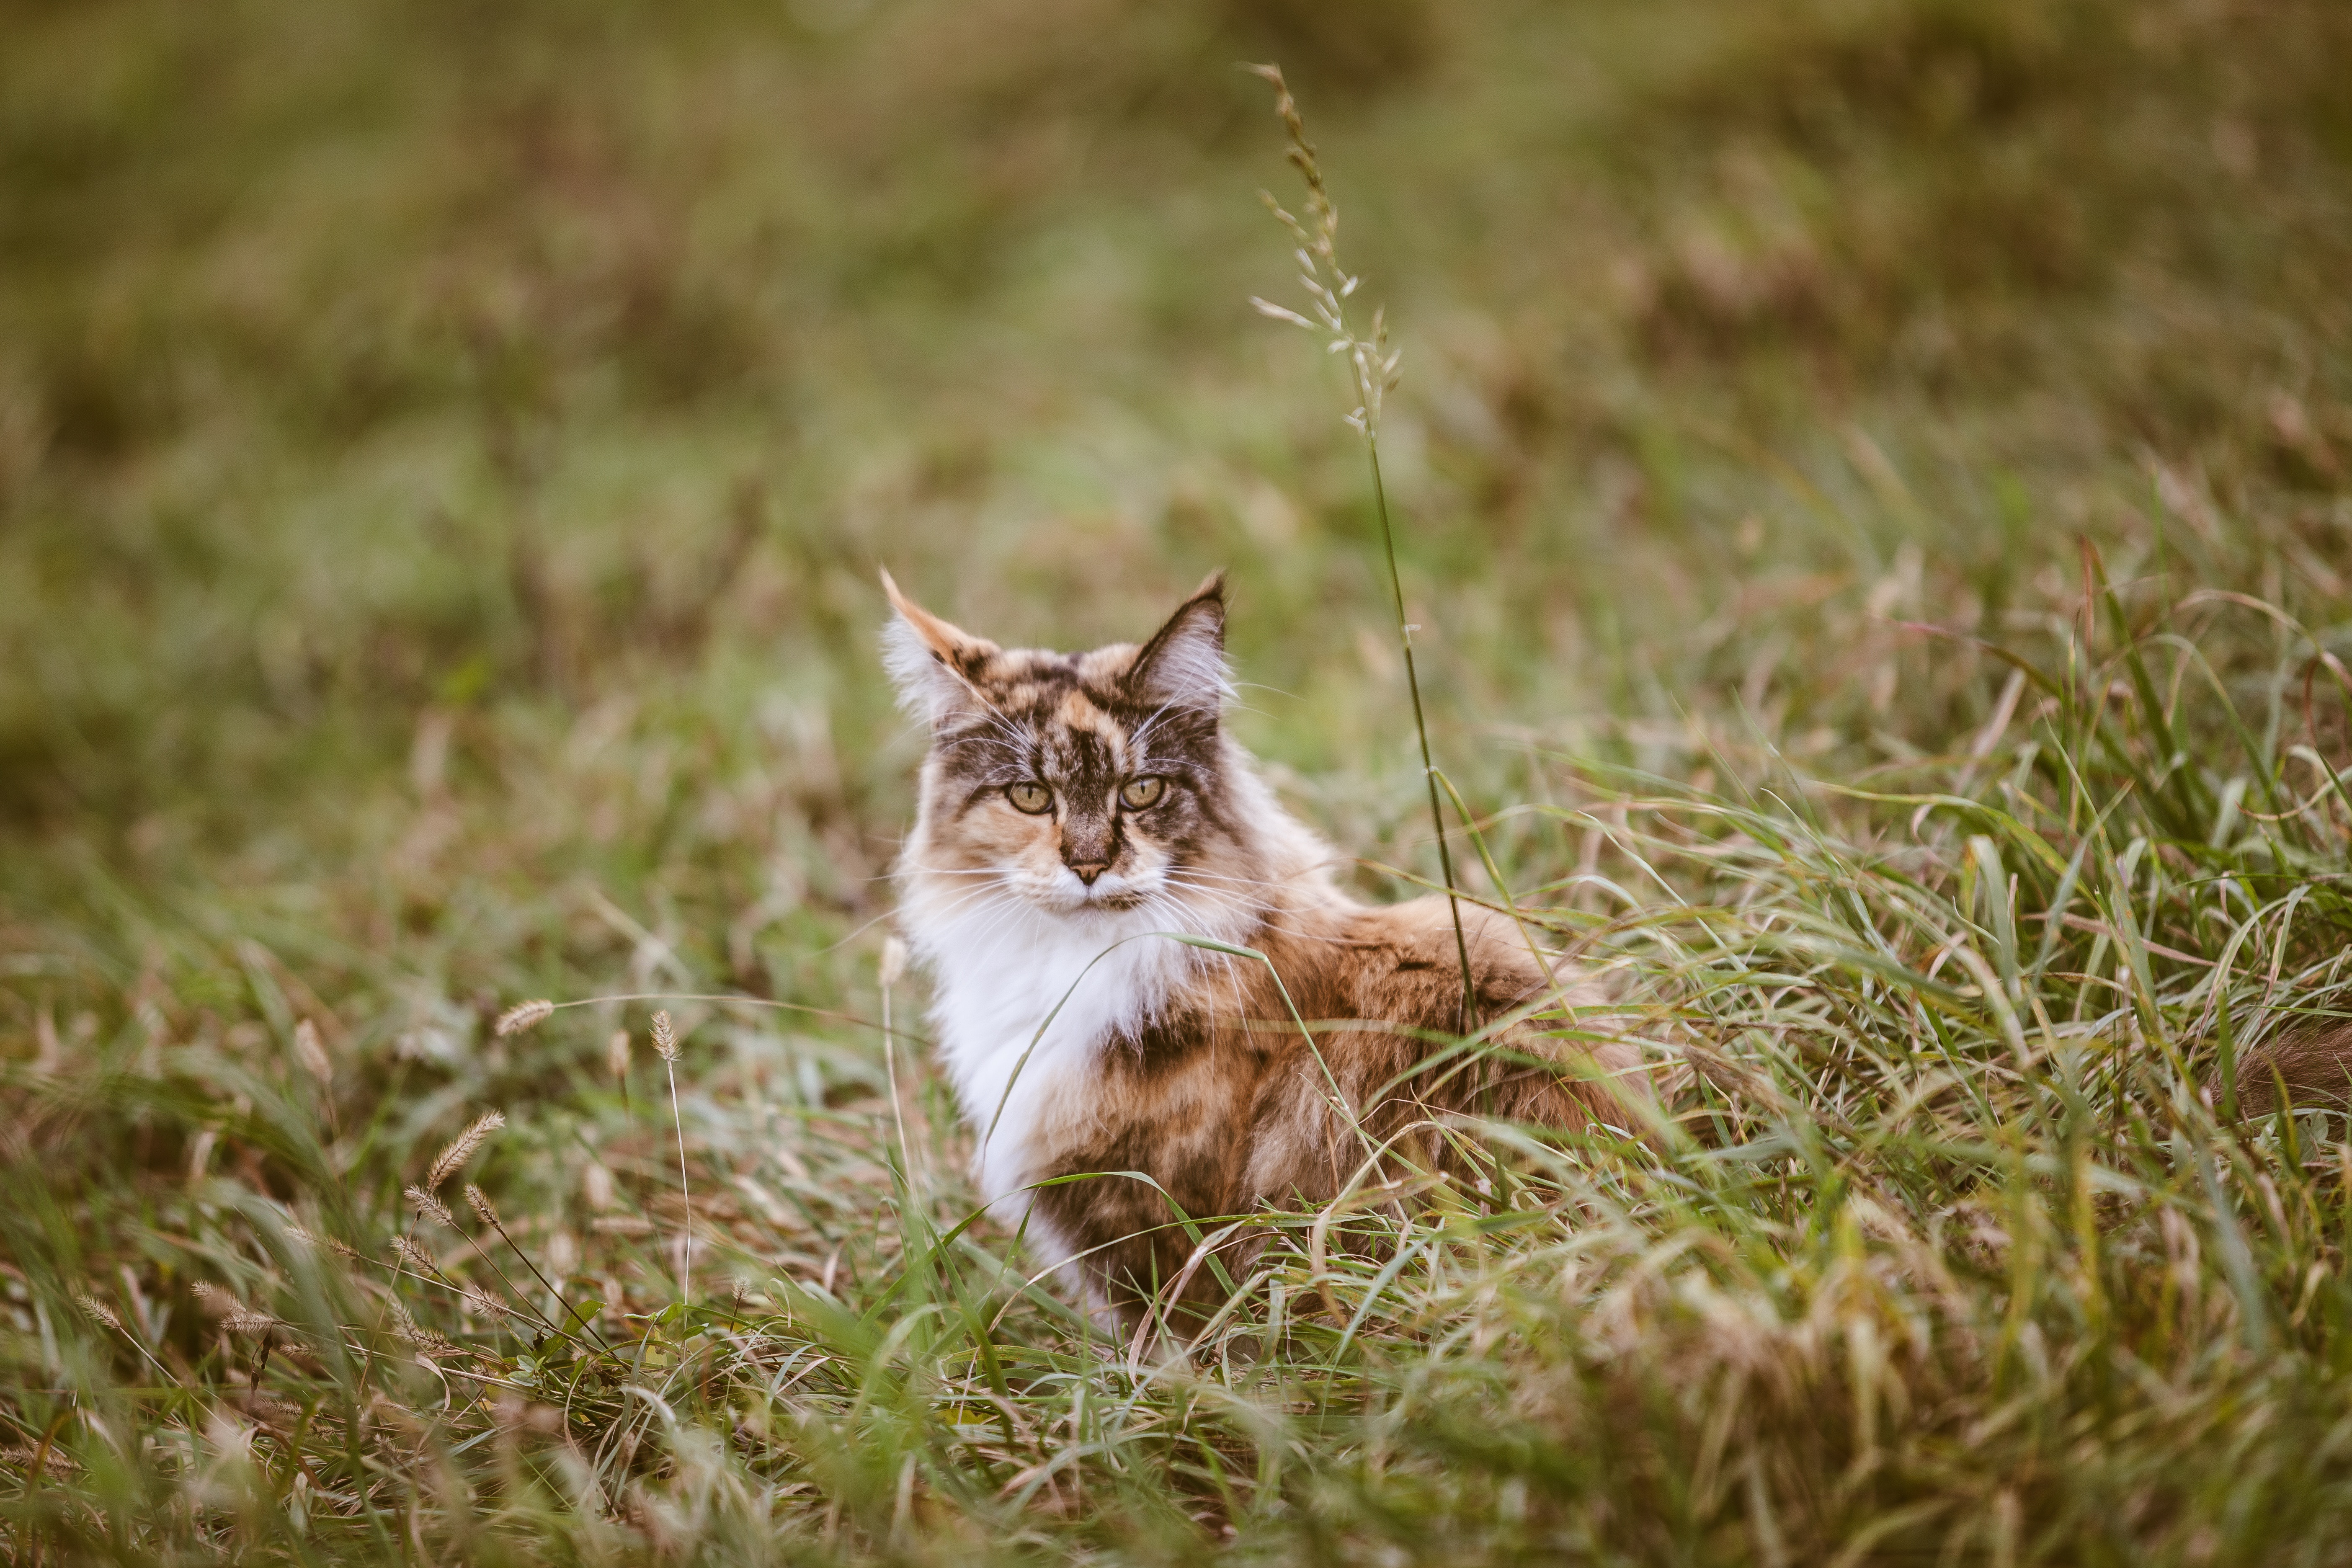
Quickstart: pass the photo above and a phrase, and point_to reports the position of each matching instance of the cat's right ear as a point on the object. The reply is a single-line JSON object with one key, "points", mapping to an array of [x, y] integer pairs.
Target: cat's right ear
{"points": [[934, 663]]}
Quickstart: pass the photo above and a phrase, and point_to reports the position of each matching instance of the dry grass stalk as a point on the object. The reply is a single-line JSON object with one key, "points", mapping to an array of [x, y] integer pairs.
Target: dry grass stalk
{"points": [[1374, 366], [665, 1046], [893, 968], [621, 1224]]}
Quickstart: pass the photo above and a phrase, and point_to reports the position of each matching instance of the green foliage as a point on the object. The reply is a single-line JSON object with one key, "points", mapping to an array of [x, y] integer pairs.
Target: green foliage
{"points": [[1871, 480]]}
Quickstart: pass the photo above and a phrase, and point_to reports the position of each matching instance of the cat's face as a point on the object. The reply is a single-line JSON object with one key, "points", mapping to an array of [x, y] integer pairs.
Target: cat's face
{"points": [[1078, 782]]}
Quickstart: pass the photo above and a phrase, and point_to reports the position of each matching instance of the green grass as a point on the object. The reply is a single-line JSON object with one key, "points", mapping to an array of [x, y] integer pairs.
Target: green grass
{"points": [[443, 453]]}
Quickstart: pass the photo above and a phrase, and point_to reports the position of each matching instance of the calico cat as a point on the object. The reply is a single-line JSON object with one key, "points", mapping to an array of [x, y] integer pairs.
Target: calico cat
{"points": [[1074, 807]]}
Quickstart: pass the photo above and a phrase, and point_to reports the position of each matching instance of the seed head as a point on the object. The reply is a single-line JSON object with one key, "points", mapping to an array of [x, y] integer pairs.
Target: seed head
{"points": [[480, 1202], [427, 1206], [424, 1342], [312, 1238], [487, 1306], [311, 1054], [55, 1462], [522, 1016], [234, 1315], [665, 1037], [245, 1320], [616, 1054], [414, 1257], [451, 1161], [100, 1312], [894, 961]]}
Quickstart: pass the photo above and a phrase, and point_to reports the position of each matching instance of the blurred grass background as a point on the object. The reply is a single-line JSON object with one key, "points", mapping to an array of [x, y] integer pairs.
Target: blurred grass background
{"points": [[546, 383], [445, 451]]}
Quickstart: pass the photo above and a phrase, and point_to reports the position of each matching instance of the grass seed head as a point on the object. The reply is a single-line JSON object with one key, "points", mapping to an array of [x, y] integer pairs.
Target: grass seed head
{"points": [[486, 1305], [52, 1459], [894, 961], [312, 1238], [100, 1312], [414, 1257], [480, 1202], [311, 1054], [665, 1037], [246, 1321], [430, 1207], [616, 1054], [423, 1340], [451, 1160], [523, 1016]]}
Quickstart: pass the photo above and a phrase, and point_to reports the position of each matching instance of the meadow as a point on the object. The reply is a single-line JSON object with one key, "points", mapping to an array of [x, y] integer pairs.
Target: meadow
{"points": [[1873, 483]]}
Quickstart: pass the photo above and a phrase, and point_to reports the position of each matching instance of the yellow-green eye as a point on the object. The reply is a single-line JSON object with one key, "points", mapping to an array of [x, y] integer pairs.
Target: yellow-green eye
{"points": [[1034, 798], [1142, 794]]}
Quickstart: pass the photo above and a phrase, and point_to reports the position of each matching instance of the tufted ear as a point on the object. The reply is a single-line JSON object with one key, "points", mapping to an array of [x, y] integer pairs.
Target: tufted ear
{"points": [[1184, 665], [932, 661]]}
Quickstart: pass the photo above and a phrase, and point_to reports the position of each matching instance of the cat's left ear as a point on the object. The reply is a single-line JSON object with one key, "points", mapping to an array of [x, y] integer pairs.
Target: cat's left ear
{"points": [[934, 662], [1184, 665]]}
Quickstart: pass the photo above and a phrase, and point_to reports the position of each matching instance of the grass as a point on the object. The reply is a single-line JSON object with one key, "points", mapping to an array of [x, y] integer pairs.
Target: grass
{"points": [[1871, 482]]}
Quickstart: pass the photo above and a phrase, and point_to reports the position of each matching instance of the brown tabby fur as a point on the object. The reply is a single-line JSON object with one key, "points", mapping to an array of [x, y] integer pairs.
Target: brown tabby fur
{"points": [[2314, 1064], [1176, 1082]]}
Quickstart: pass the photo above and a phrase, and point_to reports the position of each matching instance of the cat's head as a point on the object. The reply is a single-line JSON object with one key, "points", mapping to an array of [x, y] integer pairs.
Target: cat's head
{"points": [[1075, 782]]}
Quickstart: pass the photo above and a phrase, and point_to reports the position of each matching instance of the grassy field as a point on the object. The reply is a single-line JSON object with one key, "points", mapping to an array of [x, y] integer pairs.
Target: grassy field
{"points": [[1872, 480]]}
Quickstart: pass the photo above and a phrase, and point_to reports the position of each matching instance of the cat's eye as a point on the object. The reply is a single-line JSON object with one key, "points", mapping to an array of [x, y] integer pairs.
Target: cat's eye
{"points": [[1140, 795], [1034, 798]]}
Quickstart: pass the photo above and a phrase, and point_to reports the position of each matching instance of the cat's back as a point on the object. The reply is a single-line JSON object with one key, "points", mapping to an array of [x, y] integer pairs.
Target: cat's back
{"points": [[1402, 963]]}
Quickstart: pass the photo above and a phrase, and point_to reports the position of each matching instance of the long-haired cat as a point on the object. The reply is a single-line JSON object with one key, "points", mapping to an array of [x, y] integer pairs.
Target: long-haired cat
{"points": [[1074, 807]]}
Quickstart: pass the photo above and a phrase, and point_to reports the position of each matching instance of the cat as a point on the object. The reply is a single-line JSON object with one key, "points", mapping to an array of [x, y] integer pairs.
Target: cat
{"points": [[1118, 1082]]}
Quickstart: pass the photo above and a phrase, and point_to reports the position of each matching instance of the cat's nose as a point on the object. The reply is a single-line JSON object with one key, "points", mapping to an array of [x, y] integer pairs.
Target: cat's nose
{"points": [[1088, 871]]}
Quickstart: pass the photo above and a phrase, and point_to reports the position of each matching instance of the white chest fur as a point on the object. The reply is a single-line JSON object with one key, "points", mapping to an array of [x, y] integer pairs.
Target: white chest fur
{"points": [[1024, 1000]]}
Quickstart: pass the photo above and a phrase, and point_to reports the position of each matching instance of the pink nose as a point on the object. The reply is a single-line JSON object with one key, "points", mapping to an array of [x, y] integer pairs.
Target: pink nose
{"points": [[1088, 871]]}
